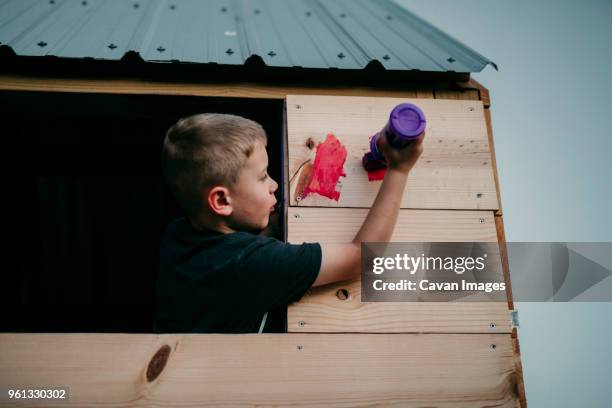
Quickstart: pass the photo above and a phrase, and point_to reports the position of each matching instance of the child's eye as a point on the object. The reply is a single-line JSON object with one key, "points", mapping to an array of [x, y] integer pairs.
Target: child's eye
{"points": [[265, 177]]}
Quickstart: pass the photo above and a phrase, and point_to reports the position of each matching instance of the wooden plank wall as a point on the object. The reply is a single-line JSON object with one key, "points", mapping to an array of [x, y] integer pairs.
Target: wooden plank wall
{"points": [[452, 195], [306, 370], [323, 311], [344, 353], [454, 171]]}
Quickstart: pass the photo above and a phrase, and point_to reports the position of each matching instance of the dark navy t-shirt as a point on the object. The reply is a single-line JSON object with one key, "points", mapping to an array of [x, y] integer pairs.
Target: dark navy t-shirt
{"points": [[210, 282]]}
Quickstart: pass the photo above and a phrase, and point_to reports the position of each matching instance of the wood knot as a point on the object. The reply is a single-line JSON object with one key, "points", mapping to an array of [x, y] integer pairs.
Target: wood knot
{"points": [[304, 179], [310, 143], [342, 294], [158, 362]]}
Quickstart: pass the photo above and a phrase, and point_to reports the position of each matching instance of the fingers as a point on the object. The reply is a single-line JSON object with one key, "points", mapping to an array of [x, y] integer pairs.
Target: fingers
{"points": [[420, 139]]}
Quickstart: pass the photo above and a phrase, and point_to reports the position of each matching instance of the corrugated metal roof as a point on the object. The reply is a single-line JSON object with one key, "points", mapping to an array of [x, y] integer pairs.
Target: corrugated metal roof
{"points": [[343, 34]]}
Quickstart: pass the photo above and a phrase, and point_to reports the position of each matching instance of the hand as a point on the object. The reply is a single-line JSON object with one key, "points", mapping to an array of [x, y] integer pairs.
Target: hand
{"points": [[405, 158]]}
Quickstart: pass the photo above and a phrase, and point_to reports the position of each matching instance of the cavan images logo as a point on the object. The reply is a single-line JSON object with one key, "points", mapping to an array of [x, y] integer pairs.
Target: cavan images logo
{"points": [[473, 271]]}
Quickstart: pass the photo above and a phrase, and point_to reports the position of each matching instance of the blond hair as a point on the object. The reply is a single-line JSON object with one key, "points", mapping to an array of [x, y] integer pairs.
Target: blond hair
{"points": [[205, 150]]}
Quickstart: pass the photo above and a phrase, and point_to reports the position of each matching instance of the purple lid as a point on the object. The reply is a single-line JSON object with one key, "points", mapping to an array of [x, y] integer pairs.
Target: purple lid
{"points": [[374, 150], [407, 120]]}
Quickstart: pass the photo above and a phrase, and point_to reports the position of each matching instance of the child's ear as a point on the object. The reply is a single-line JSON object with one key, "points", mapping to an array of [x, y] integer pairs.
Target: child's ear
{"points": [[219, 201]]}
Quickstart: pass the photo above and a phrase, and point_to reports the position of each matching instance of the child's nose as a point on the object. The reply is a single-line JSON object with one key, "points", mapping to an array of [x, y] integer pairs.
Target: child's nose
{"points": [[274, 185]]}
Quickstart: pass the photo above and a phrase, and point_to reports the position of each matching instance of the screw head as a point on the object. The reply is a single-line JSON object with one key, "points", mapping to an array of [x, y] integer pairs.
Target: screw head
{"points": [[229, 51], [300, 347], [112, 46], [478, 195], [482, 220], [301, 323], [341, 55], [136, 5], [161, 49], [41, 44], [172, 7], [272, 54], [492, 325], [386, 57], [451, 59], [223, 9], [493, 346]]}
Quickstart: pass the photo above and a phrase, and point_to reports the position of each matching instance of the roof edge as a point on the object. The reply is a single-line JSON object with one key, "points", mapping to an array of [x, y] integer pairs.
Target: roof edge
{"points": [[134, 66]]}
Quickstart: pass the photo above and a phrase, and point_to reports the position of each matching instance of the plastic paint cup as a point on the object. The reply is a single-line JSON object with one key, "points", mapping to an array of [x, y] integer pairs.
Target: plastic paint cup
{"points": [[406, 123]]}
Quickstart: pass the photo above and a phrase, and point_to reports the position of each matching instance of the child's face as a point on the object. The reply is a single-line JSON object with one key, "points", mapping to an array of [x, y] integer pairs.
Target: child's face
{"points": [[253, 194]]}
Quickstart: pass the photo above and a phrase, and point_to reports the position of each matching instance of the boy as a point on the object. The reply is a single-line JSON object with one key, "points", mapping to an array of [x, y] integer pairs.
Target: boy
{"points": [[217, 275]]}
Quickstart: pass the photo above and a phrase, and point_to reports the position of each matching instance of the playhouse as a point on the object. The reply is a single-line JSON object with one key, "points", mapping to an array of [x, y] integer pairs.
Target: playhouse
{"points": [[88, 89]]}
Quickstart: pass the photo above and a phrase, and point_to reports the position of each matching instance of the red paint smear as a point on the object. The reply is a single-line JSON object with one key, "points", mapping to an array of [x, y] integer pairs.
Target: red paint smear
{"points": [[327, 168], [379, 174]]}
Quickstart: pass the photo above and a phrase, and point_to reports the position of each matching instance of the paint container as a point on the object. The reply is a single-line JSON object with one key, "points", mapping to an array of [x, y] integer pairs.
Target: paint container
{"points": [[406, 123]]}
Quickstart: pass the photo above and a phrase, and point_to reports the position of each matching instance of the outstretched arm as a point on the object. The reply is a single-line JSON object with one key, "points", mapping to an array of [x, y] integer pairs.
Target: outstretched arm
{"points": [[342, 261]]}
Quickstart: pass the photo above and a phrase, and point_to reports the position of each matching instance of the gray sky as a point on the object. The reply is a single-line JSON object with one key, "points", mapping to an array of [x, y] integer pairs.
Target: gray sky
{"points": [[551, 122]]}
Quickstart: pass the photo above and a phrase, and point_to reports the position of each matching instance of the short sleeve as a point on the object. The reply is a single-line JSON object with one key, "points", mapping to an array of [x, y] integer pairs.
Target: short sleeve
{"points": [[281, 273]]}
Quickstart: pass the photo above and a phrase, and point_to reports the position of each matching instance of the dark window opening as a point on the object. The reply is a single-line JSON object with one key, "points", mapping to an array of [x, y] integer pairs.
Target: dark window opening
{"points": [[87, 205]]}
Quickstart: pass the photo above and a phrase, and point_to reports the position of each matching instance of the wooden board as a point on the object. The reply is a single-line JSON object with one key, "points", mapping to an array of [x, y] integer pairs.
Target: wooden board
{"points": [[454, 171], [322, 310], [467, 94], [229, 89], [308, 224], [277, 370]]}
